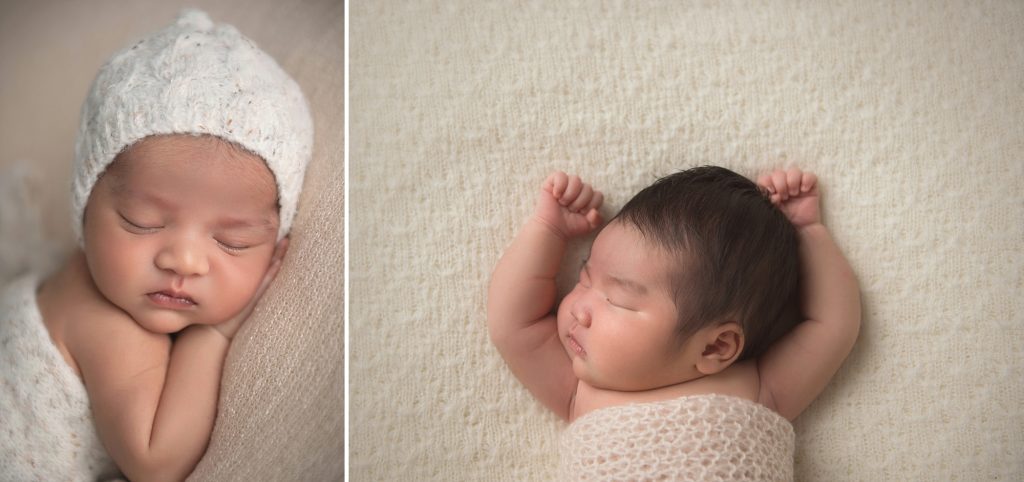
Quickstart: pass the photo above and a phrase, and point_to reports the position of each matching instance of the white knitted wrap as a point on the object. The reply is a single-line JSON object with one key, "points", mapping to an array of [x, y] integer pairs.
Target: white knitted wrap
{"points": [[46, 427], [700, 438], [194, 77]]}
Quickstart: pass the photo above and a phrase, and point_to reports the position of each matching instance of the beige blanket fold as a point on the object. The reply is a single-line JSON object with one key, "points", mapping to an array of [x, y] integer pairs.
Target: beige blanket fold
{"points": [[700, 438]]}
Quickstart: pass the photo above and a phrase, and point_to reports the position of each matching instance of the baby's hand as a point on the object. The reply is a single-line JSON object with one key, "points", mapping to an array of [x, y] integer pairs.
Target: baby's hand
{"points": [[568, 205], [230, 327], [795, 193]]}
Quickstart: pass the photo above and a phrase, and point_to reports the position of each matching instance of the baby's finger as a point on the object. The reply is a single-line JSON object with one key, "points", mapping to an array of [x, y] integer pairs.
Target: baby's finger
{"points": [[793, 176], [596, 201], [779, 181], [571, 190], [581, 201], [808, 182], [765, 182], [555, 183], [593, 218]]}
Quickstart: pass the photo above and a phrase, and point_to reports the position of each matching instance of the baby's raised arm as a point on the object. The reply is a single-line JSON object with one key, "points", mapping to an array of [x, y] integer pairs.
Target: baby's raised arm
{"points": [[799, 366], [522, 293]]}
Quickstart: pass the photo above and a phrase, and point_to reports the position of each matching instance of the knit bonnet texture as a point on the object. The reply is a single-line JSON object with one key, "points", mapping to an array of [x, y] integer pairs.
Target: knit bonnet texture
{"points": [[194, 77]]}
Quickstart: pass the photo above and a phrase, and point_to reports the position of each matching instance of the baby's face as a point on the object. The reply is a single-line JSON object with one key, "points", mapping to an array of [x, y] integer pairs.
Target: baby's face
{"points": [[180, 230], [617, 324]]}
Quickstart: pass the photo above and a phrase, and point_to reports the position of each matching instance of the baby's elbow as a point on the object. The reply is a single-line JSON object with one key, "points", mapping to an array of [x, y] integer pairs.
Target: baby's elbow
{"points": [[852, 325], [497, 326], [498, 334], [857, 309]]}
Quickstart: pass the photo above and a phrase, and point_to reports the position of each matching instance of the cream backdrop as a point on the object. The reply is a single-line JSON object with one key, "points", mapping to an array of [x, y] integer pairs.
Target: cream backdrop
{"points": [[911, 114], [281, 407]]}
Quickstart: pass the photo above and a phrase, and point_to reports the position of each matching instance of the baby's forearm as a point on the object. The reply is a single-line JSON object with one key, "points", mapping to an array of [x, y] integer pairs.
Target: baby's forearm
{"points": [[188, 403], [830, 292], [522, 289]]}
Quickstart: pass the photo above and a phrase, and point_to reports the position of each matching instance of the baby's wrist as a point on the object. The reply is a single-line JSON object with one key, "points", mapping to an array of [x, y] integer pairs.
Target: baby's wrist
{"points": [[210, 328], [549, 227], [810, 228]]}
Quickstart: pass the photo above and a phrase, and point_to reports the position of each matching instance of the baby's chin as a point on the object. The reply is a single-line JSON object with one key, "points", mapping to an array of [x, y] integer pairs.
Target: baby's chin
{"points": [[620, 383], [587, 375], [166, 322]]}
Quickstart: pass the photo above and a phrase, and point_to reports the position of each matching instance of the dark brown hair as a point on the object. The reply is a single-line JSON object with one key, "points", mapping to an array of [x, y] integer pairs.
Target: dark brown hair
{"points": [[736, 253]]}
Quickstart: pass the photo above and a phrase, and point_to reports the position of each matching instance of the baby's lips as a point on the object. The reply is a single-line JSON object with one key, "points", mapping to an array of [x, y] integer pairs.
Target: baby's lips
{"points": [[176, 296]]}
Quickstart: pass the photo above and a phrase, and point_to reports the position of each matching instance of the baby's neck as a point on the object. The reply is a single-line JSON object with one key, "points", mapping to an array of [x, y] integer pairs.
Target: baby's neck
{"points": [[738, 380]]}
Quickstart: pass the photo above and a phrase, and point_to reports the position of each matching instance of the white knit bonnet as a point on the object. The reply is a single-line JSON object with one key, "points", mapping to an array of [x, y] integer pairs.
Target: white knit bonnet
{"points": [[194, 77]]}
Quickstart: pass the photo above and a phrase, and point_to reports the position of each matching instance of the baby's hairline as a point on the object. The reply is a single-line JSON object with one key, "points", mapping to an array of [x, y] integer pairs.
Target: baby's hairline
{"points": [[235, 148], [238, 153]]}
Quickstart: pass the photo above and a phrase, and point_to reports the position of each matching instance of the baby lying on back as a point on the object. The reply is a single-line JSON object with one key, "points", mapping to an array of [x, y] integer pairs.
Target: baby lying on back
{"points": [[710, 312]]}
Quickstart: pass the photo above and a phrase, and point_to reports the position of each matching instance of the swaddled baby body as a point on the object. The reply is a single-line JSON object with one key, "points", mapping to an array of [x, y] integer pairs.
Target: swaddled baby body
{"points": [[705, 284]]}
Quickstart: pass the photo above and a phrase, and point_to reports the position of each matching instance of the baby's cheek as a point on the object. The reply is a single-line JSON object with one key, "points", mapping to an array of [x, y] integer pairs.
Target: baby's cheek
{"points": [[115, 265], [238, 284]]}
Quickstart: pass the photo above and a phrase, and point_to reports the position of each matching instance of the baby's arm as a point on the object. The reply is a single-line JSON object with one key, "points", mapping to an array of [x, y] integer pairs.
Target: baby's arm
{"points": [[799, 366], [154, 403], [522, 293]]}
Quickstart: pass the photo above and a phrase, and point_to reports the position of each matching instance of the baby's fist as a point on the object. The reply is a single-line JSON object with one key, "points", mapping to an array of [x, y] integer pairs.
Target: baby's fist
{"points": [[795, 193], [568, 205]]}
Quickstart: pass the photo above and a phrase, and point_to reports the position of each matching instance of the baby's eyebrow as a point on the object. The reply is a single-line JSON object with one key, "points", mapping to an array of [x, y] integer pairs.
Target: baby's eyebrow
{"points": [[629, 284], [122, 190], [242, 223], [626, 283]]}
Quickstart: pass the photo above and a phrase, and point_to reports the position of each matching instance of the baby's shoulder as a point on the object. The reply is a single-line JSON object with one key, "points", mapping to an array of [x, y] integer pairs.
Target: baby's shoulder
{"points": [[100, 325], [104, 342], [85, 325]]}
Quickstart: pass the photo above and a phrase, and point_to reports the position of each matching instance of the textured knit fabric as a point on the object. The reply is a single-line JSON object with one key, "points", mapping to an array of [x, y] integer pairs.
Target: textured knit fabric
{"points": [[46, 427], [700, 438], [911, 113], [194, 77]]}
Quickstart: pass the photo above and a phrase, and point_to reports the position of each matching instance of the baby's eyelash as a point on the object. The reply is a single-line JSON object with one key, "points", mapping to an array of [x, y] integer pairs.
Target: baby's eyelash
{"points": [[232, 248], [137, 226]]}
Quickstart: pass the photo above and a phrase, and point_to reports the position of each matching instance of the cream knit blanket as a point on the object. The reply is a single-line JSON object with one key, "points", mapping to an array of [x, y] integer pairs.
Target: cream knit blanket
{"points": [[46, 428], [702, 437], [911, 114]]}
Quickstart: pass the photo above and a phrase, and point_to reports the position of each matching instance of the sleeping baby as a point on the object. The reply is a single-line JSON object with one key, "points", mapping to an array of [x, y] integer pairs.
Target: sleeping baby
{"points": [[710, 313], [190, 158]]}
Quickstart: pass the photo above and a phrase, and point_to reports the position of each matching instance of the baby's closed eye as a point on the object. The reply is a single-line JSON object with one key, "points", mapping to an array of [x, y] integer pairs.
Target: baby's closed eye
{"points": [[138, 226]]}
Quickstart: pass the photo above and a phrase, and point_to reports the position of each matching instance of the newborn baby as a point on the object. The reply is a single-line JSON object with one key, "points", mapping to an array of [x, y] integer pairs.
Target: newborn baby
{"points": [[190, 158], [710, 312]]}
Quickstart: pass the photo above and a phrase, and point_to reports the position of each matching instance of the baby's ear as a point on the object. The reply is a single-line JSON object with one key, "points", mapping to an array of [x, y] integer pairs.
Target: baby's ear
{"points": [[722, 346]]}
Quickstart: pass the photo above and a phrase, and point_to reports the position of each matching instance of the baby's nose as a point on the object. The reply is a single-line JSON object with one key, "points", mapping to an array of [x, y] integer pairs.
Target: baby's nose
{"points": [[183, 258], [581, 313]]}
